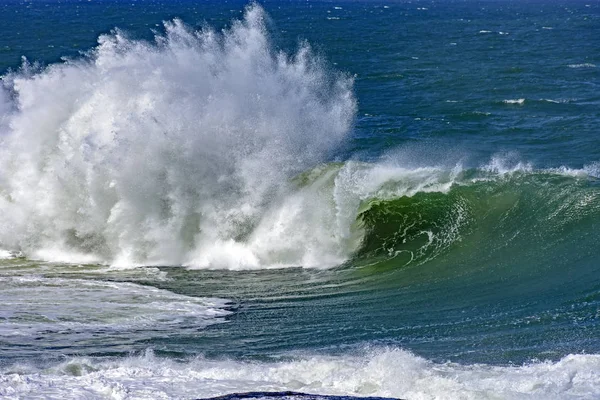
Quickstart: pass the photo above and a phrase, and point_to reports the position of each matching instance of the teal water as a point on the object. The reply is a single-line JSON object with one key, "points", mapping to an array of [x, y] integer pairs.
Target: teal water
{"points": [[353, 198]]}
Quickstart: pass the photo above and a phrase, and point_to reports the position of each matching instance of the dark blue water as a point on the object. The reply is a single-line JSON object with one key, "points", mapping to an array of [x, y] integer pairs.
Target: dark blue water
{"points": [[355, 198]]}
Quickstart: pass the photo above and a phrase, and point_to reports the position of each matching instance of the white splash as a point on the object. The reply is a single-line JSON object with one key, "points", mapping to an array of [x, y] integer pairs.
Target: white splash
{"points": [[158, 153], [506, 164], [593, 169], [5, 254]]}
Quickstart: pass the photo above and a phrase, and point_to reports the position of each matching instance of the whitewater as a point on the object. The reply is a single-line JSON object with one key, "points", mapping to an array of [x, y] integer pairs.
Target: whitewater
{"points": [[380, 373], [165, 153]]}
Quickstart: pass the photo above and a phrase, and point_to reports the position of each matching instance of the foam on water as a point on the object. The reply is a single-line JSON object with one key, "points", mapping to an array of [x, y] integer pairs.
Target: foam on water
{"points": [[67, 312], [583, 65], [514, 101], [5, 254], [384, 372]]}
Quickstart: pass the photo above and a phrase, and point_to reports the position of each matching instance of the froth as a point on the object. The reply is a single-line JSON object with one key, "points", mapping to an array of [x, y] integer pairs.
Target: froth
{"points": [[4, 254], [388, 372], [65, 312], [167, 152]]}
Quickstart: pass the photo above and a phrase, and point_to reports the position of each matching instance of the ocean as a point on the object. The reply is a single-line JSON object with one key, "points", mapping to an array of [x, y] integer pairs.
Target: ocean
{"points": [[348, 198]]}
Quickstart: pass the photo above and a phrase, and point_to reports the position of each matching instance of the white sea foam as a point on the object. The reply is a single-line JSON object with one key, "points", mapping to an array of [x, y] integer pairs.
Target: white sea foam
{"points": [[33, 306], [593, 169], [514, 101], [387, 372], [584, 65], [510, 163], [5, 254]]}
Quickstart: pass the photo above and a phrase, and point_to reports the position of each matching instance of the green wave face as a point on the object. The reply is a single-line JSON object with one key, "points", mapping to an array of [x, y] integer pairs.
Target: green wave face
{"points": [[413, 229], [503, 217]]}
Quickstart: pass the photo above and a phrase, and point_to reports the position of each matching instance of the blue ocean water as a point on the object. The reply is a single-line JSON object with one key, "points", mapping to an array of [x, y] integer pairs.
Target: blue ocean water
{"points": [[352, 198]]}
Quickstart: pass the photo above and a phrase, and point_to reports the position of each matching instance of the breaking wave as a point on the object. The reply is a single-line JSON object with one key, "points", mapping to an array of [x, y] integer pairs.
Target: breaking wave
{"points": [[212, 150], [164, 152]]}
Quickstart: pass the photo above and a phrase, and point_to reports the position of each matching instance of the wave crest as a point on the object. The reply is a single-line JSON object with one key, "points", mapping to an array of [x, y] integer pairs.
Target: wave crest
{"points": [[152, 153]]}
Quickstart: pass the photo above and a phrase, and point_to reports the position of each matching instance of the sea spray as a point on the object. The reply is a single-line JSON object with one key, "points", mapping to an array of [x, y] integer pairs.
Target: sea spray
{"points": [[209, 150], [164, 152]]}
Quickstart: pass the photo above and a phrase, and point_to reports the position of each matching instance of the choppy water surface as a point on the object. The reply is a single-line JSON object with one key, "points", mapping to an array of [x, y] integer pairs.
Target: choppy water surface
{"points": [[394, 199]]}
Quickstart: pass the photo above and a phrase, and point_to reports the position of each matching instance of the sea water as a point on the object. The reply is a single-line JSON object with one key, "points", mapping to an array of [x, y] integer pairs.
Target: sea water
{"points": [[352, 198]]}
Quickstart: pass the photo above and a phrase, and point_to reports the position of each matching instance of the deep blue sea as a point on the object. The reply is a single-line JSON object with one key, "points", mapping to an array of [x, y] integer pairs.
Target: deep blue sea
{"points": [[350, 198]]}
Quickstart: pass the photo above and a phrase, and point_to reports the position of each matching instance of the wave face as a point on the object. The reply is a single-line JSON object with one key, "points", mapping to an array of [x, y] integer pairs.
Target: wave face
{"points": [[164, 152], [482, 209]]}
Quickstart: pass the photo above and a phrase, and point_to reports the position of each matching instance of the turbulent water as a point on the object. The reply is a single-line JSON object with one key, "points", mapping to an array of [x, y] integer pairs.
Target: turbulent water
{"points": [[392, 199]]}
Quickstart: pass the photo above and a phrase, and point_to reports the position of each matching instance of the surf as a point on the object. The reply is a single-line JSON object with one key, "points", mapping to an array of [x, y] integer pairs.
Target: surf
{"points": [[383, 372], [163, 152], [216, 150]]}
